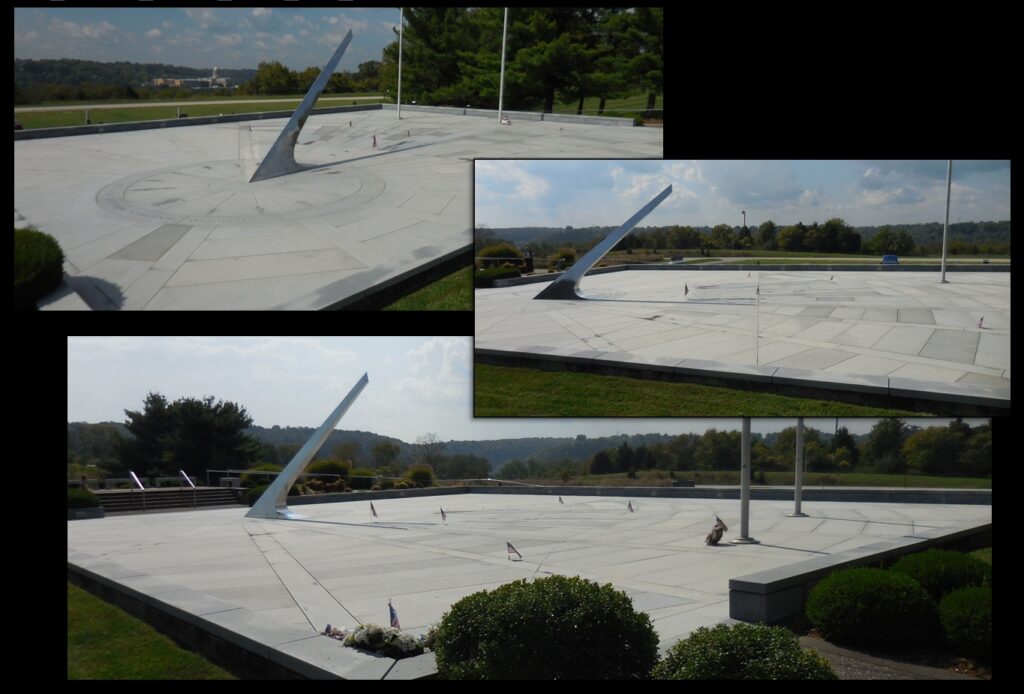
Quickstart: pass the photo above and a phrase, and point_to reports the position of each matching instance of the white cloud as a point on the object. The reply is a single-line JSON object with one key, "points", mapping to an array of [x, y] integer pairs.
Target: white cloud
{"points": [[511, 180], [440, 369], [228, 39], [903, 195], [286, 40], [97, 30], [332, 21], [167, 25], [810, 198], [261, 11], [635, 188], [154, 34], [204, 18]]}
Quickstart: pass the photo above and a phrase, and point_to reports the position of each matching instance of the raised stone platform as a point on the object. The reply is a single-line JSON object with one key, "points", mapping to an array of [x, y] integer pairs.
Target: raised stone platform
{"points": [[166, 218], [897, 335], [271, 585]]}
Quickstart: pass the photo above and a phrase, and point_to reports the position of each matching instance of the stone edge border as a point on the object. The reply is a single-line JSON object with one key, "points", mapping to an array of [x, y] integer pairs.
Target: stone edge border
{"points": [[774, 595], [67, 131]]}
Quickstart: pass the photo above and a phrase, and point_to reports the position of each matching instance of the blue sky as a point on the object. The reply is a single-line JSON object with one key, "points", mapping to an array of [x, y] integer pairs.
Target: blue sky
{"points": [[417, 385], [864, 193], [227, 37]]}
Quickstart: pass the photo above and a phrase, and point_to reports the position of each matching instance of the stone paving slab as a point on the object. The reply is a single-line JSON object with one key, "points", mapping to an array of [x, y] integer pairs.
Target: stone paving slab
{"points": [[339, 566], [856, 325], [139, 197]]}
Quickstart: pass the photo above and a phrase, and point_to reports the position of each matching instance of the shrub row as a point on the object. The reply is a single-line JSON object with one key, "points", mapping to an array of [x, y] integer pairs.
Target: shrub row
{"points": [[485, 278], [569, 628], [81, 498], [922, 598]]}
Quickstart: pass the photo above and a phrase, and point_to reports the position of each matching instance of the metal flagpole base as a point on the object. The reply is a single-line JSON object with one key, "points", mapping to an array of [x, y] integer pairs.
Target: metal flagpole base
{"points": [[797, 515], [744, 541]]}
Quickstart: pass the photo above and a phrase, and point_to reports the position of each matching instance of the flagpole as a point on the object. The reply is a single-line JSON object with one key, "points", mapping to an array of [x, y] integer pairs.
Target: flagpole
{"points": [[501, 88], [945, 227], [757, 320], [401, 22]]}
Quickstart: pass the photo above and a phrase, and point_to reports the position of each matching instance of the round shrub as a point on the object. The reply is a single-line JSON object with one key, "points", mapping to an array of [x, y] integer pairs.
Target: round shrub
{"points": [[250, 479], [342, 468], [421, 475], [742, 652], [940, 571], [872, 607], [966, 616], [401, 484], [499, 253], [552, 628], [361, 478], [82, 498], [38, 266]]}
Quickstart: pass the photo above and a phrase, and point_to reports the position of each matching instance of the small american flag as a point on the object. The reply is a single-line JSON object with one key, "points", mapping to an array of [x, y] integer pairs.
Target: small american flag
{"points": [[560, 500], [630, 505], [758, 290], [686, 290], [512, 549], [444, 516], [980, 320], [373, 510], [394, 616]]}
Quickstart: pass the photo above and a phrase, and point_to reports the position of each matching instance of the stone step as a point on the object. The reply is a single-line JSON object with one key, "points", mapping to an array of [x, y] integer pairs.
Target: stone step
{"points": [[115, 501]]}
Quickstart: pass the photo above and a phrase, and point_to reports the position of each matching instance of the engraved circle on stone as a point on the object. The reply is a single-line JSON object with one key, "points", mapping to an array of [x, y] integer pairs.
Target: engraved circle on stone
{"points": [[208, 188]]}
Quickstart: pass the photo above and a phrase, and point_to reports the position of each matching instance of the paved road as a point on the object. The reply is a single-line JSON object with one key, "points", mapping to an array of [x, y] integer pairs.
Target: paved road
{"points": [[148, 104]]}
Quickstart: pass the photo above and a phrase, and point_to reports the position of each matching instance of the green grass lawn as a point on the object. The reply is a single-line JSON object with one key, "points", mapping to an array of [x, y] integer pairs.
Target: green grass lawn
{"points": [[451, 293], [104, 642], [502, 391], [984, 554], [54, 119], [195, 98], [612, 107]]}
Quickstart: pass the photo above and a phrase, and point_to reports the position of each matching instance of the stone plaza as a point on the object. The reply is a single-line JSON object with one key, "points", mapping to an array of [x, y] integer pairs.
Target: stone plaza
{"points": [[887, 332], [166, 218], [275, 584]]}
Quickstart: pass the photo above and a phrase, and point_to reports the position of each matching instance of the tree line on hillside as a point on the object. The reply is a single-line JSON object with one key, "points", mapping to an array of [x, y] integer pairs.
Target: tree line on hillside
{"points": [[452, 56], [64, 79], [891, 447], [273, 78], [833, 236]]}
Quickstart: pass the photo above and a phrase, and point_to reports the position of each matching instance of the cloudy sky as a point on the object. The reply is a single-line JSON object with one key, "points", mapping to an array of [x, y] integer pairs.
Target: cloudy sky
{"points": [[864, 193], [417, 385], [227, 37]]}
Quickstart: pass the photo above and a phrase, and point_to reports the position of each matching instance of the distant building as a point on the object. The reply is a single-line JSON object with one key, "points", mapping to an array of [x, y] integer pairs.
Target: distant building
{"points": [[211, 82]]}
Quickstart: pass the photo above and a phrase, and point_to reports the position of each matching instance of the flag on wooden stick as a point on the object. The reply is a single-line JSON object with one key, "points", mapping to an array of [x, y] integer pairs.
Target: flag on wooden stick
{"points": [[373, 510], [512, 550], [630, 505], [560, 500], [980, 320], [444, 516]]}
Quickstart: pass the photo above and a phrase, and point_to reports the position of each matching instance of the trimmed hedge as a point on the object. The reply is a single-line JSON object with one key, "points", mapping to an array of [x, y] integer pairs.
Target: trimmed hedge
{"points": [[251, 480], [38, 267], [255, 493], [872, 607], [342, 468], [361, 478], [966, 616], [420, 475], [483, 279], [500, 253], [742, 652], [82, 498], [552, 628], [940, 571]]}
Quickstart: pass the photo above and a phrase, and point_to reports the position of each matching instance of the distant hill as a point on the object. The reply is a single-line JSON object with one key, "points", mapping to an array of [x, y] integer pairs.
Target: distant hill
{"points": [[29, 73]]}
